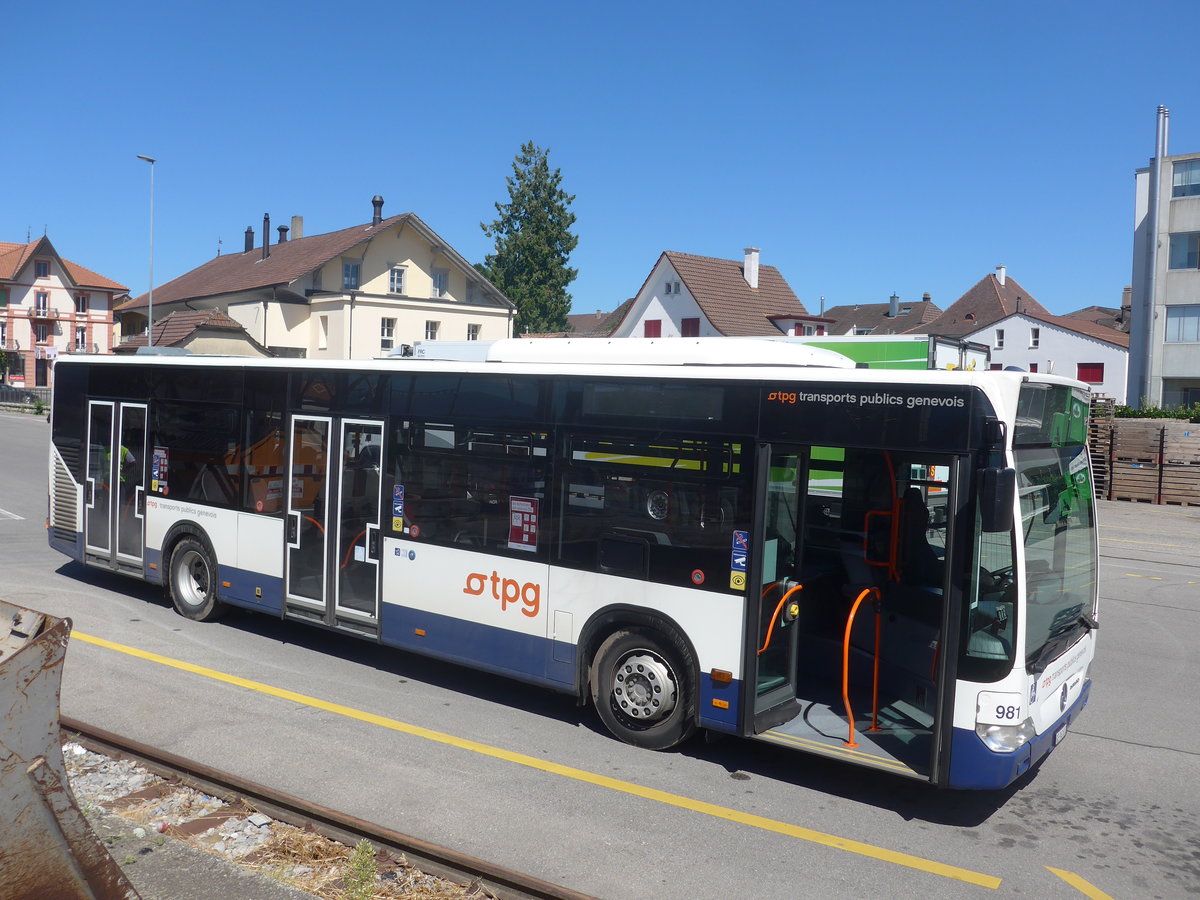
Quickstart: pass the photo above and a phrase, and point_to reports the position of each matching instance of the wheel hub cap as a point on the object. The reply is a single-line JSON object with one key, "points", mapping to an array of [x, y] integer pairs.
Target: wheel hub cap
{"points": [[644, 688]]}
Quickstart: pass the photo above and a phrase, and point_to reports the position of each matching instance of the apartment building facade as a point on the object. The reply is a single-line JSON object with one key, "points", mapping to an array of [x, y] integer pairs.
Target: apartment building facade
{"points": [[49, 306]]}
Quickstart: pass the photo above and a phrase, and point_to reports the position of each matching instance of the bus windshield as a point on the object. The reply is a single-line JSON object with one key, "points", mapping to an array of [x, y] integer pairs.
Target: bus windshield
{"points": [[1058, 519]]}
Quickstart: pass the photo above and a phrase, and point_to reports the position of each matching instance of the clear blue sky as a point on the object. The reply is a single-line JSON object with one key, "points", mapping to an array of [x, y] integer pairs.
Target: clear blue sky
{"points": [[865, 148]]}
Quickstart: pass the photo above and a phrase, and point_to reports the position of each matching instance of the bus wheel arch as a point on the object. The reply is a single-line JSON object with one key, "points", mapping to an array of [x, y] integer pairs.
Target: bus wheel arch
{"points": [[642, 678], [191, 575]]}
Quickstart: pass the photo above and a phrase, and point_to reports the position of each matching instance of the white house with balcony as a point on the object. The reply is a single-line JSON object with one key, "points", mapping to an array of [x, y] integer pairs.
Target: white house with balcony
{"points": [[49, 306]]}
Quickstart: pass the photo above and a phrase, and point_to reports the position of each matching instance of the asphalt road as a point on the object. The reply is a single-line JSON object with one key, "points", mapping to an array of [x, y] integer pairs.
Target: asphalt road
{"points": [[526, 779]]}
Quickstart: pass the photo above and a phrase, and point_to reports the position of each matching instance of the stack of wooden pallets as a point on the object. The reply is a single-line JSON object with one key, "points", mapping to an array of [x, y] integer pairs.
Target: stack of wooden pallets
{"points": [[1100, 427]]}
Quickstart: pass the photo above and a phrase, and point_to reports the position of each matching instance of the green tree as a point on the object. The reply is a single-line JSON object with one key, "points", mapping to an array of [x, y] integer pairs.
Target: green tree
{"points": [[533, 242]]}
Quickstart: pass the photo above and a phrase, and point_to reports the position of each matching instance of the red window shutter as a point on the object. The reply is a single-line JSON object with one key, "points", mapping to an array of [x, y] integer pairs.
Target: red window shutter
{"points": [[1033, 367], [1092, 373], [652, 328], [690, 327]]}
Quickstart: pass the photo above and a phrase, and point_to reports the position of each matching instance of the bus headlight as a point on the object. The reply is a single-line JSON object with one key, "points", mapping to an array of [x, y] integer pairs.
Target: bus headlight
{"points": [[1006, 738]]}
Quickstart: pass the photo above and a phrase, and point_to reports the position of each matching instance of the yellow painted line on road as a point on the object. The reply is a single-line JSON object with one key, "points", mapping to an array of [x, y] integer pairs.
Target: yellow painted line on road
{"points": [[1151, 577], [1147, 544], [626, 787], [1084, 887]]}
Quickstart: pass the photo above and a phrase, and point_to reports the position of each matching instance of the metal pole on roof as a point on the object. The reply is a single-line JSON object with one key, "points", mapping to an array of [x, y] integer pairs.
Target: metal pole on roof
{"points": [[150, 308]]}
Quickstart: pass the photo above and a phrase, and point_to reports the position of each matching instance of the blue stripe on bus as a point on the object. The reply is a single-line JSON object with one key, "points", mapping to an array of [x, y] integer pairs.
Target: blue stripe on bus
{"points": [[713, 716], [974, 766], [242, 585], [531, 657]]}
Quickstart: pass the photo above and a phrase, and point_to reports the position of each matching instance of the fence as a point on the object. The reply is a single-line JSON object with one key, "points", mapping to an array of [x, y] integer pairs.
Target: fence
{"points": [[1147, 460]]}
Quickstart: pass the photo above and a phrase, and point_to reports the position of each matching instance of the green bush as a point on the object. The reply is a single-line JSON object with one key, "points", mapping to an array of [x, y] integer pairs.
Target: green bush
{"points": [[1158, 412]]}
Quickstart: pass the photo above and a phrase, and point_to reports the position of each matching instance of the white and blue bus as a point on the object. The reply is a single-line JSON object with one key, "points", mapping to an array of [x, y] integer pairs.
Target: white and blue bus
{"points": [[896, 569]]}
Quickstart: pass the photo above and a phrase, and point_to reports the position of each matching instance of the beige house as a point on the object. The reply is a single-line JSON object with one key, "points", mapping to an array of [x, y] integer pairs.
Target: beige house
{"points": [[50, 306], [210, 332], [357, 293]]}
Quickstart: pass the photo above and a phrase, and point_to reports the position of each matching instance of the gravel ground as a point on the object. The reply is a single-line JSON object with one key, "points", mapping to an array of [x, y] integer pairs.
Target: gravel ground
{"points": [[288, 860]]}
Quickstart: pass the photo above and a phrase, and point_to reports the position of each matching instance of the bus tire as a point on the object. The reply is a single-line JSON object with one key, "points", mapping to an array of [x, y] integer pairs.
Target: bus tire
{"points": [[192, 581], [643, 688]]}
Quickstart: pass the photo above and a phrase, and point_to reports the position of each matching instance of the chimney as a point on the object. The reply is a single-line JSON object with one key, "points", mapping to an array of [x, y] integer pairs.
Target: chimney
{"points": [[249, 239], [283, 230], [377, 202], [893, 306], [1000, 273], [297, 227], [750, 268], [925, 297]]}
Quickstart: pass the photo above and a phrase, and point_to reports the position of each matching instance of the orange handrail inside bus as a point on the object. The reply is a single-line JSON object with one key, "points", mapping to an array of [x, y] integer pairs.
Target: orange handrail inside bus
{"points": [[850, 742], [350, 549], [775, 615], [315, 522]]}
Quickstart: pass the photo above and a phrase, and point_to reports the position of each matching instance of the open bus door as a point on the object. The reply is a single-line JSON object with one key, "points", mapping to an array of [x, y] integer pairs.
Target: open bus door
{"points": [[851, 579], [115, 495], [333, 504]]}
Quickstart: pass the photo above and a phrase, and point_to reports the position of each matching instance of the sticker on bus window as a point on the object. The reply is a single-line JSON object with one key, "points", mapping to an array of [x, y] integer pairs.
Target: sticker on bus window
{"points": [[522, 523], [158, 470], [398, 500]]}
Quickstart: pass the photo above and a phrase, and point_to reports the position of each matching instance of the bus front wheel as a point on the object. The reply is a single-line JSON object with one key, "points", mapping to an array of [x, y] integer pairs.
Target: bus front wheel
{"points": [[643, 688], [193, 582]]}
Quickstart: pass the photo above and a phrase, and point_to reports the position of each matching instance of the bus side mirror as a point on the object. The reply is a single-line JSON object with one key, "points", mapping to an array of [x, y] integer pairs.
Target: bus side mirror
{"points": [[997, 491]]}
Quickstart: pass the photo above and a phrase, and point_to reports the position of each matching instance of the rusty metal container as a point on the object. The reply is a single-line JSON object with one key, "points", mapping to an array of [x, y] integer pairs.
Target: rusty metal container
{"points": [[48, 850]]}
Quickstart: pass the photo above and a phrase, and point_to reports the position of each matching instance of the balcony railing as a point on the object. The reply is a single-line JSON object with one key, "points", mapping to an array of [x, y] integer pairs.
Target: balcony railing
{"points": [[44, 312]]}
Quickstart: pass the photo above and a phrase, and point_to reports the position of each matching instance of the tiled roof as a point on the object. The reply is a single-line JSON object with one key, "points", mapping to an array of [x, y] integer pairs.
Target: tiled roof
{"points": [[598, 324], [178, 326], [1108, 316], [14, 256], [875, 316], [1084, 327], [728, 302], [235, 272], [986, 302]]}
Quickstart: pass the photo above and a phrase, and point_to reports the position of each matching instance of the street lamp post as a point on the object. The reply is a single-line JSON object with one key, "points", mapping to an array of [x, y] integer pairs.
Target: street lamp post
{"points": [[150, 308]]}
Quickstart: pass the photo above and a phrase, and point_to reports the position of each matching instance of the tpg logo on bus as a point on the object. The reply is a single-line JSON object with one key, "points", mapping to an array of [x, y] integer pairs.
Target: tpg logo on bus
{"points": [[507, 591]]}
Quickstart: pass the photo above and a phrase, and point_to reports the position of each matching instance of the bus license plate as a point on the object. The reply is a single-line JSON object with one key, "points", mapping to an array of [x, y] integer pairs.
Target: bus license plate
{"points": [[1060, 734]]}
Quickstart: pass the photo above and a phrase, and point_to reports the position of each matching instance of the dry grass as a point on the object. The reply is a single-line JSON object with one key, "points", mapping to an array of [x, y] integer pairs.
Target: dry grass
{"points": [[315, 864]]}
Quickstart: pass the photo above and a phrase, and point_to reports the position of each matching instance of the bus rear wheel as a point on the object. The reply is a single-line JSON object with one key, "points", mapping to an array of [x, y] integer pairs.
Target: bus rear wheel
{"points": [[192, 582], [643, 688]]}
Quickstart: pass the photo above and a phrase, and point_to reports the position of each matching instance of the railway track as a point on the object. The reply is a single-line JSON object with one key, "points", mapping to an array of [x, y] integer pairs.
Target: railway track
{"points": [[240, 796]]}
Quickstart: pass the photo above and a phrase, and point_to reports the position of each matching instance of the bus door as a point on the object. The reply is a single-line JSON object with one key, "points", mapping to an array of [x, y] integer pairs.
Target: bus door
{"points": [[332, 566], [777, 587], [114, 502]]}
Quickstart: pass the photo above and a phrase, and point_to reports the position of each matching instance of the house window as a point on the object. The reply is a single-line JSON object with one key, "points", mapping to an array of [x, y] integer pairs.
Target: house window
{"points": [[859, 329], [350, 273], [42, 302], [3, 335], [473, 332], [1183, 325], [441, 282], [41, 268], [396, 280], [41, 332], [431, 330], [387, 330], [1035, 337], [81, 303], [999, 338], [322, 332], [1185, 250], [671, 288], [652, 328], [80, 337], [1092, 373], [690, 327], [995, 367], [1186, 178], [1033, 367], [3, 297]]}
